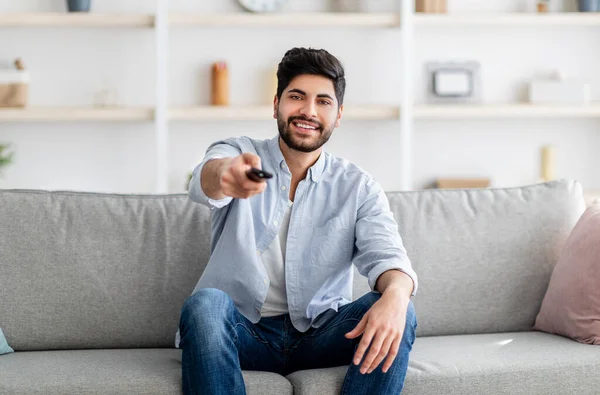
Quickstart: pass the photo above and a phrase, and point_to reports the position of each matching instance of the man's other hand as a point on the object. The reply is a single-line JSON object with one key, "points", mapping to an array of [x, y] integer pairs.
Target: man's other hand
{"points": [[382, 328]]}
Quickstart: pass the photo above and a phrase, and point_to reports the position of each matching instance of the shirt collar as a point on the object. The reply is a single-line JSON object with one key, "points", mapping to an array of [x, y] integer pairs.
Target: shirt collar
{"points": [[315, 171]]}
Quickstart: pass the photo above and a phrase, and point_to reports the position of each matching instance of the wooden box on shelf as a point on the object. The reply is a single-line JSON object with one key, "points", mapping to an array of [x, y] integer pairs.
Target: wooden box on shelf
{"points": [[432, 6], [13, 94], [454, 183]]}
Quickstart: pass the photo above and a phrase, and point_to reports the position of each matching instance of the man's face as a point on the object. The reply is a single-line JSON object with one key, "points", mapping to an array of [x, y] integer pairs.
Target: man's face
{"points": [[307, 112]]}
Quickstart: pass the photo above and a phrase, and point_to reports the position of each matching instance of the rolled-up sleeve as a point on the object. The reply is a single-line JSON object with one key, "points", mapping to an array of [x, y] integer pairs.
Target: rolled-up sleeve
{"points": [[379, 247], [195, 192]]}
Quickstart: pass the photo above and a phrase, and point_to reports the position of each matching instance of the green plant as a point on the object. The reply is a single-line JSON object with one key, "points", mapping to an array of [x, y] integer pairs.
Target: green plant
{"points": [[5, 156]]}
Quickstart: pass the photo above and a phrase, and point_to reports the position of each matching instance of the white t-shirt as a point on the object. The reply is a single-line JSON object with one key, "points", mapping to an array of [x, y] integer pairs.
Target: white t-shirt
{"points": [[274, 260]]}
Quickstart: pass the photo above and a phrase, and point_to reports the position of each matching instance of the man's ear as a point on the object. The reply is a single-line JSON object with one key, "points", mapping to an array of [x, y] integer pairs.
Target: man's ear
{"points": [[275, 106], [339, 116]]}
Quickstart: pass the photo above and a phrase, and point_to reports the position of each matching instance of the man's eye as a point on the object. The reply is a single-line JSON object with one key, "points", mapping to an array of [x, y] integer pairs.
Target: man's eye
{"points": [[325, 102], [295, 97]]}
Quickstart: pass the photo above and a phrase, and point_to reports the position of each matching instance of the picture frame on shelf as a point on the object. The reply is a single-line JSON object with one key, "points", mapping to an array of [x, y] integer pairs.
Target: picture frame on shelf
{"points": [[454, 82]]}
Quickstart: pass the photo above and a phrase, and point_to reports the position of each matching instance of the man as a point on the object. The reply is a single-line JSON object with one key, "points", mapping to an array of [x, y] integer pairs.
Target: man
{"points": [[276, 293]]}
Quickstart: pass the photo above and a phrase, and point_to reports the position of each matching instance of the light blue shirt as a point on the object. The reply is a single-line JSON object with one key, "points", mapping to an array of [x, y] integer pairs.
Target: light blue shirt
{"points": [[340, 216]]}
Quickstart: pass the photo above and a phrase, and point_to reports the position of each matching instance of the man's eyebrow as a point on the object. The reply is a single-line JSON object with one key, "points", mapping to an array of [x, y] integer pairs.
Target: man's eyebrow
{"points": [[325, 95], [295, 90], [320, 95]]}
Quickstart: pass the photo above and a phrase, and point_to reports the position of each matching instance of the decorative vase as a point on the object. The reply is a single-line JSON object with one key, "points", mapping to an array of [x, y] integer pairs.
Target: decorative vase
{"points": [[78, 5], [589, 5]]}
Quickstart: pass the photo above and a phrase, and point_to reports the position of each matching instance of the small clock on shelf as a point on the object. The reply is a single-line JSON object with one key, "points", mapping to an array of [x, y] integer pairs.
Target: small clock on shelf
{"points": [[262, 5]]}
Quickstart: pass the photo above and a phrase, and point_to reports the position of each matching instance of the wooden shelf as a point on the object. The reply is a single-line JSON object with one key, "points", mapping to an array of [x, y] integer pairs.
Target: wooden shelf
{"points": [[261, 113], [75, 19], [473, 111], [323, 19], [510, 19], [60, 114]]}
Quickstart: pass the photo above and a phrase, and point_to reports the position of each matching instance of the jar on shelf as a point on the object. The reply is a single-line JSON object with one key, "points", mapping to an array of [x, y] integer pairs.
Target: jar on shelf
{"points": [[543, 6]]}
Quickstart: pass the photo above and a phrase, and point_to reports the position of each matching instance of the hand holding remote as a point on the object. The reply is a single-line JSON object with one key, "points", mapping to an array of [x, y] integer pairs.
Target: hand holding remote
{"points": [[236, 181]]}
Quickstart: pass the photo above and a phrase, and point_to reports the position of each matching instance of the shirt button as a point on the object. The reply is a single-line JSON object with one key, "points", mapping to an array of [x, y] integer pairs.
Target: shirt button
{"points": [[257, 252], [275, 223], [283, 188], [265, 280], [283, 166]]}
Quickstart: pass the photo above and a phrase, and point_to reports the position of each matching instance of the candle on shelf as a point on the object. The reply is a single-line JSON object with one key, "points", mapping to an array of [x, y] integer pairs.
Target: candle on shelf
{"points": [[220, 84], [547, 163]]}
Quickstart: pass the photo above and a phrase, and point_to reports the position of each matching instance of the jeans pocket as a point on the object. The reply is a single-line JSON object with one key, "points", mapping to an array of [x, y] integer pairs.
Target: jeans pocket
{"points": [[252, 332]]}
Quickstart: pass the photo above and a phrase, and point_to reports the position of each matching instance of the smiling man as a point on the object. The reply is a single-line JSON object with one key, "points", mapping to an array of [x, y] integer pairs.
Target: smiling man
{"points": [[276, 294]]}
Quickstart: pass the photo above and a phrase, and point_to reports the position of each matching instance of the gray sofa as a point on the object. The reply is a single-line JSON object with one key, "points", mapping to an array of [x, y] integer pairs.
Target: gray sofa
{"points": [[91, 287]]}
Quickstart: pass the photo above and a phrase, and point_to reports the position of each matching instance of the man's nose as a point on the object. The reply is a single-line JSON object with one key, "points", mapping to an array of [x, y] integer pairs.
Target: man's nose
{"points": [[309, 109]]}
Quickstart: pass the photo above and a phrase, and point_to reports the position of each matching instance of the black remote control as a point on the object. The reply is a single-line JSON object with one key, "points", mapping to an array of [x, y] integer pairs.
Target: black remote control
{"points": [[258, 175]]}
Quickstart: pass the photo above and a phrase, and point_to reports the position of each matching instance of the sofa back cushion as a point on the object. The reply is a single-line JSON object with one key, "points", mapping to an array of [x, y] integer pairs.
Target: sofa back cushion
{"points": [[483, 256], [87, 270], [84, 270]]}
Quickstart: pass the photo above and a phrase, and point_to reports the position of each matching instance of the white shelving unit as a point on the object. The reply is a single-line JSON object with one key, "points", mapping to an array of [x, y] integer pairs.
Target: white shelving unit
{"points": [[162, 21]]}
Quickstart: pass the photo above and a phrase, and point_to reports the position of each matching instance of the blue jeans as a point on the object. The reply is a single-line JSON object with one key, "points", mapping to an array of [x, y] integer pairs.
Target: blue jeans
{"points": [[218, 343]]}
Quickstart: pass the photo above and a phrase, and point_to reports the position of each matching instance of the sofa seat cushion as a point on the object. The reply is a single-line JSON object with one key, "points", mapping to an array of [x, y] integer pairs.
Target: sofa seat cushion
{"points": [[116, 371], [506, 363]]}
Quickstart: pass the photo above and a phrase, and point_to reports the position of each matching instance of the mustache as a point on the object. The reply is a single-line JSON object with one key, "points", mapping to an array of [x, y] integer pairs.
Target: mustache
{"points": [[303, 118]]}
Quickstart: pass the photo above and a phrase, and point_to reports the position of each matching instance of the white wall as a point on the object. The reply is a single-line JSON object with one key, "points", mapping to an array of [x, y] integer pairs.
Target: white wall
{"points": [[69, 65]]}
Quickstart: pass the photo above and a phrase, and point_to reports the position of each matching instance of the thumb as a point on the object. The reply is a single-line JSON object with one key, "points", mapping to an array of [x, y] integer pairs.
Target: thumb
{"points": [[252, 160], [359, 329]]}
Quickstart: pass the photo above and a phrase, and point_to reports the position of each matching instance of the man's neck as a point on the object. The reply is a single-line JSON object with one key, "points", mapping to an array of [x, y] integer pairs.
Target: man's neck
{"points": [[298, 162]]}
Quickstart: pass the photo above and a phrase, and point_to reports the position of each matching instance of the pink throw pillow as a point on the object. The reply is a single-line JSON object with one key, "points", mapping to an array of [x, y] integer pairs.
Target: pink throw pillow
{"points": [[571, 306]]}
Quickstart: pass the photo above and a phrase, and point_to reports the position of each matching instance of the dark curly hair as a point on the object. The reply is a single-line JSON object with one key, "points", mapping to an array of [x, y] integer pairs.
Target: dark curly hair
{"points": [[298, 61]]}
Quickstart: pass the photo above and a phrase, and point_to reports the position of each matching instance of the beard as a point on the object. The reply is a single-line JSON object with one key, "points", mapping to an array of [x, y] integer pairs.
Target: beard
{"points": [[298, 144]]}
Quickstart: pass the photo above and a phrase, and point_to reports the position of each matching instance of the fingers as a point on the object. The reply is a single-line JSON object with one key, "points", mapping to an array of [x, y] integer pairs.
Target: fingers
{"points": [[241, 190], [392, 354], [251, 160], [234, 180], [358, 329], [363, 345], [373, 353], [383, 351]]}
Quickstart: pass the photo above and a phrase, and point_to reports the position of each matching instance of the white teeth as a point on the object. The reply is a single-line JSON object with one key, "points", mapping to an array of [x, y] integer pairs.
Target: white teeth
{"points": [[304, 126]]}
